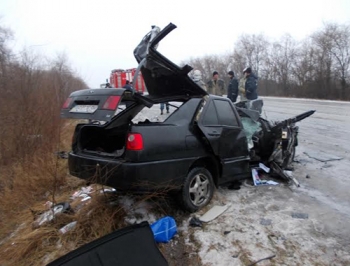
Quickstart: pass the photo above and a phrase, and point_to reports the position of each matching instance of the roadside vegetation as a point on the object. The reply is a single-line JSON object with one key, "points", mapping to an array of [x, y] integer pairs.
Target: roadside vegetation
{"points": [[33, 88], [315, 67]]}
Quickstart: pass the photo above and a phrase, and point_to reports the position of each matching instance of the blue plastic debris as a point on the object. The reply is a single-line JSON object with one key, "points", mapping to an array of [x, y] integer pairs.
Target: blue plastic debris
{"points": [[164, 229]]}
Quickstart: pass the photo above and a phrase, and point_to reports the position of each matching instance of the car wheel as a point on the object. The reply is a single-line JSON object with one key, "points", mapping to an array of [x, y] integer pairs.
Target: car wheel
{"points": [[197, 190]]}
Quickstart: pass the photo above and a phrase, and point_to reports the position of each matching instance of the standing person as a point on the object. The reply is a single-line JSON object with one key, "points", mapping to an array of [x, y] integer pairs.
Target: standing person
{"points": [[197, 78], [162, 107], [127, 86], [232, 89], [216, 86], [251, 84], [241, 88]]}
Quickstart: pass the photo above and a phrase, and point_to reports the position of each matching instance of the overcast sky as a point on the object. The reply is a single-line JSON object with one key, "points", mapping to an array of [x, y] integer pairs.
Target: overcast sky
{"points": [[100, 35]]}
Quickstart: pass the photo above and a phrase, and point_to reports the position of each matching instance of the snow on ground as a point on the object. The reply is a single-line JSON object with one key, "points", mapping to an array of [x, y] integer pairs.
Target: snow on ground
{"points": [[259, 221]]}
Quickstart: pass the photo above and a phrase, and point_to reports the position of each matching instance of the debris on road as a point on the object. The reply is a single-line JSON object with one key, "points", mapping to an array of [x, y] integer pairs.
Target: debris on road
{"points": [[49, 215], [195, 222], [84, 197], [84, 190], [300, 215], [108, 190], [213, 213], [307, 176], [68, 227], [258, 181], [164, 229], [264, 167]]}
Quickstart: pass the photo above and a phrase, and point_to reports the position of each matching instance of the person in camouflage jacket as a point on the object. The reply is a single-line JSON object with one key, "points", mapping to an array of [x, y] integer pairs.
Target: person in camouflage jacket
{"points": [[216, 86]]}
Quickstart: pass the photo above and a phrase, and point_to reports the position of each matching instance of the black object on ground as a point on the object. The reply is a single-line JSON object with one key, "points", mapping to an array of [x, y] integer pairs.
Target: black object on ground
{"points": [[195, 222], [300, 215], [133, 245], [227, 232], [307, 176], [235, 186], [267, 258]]}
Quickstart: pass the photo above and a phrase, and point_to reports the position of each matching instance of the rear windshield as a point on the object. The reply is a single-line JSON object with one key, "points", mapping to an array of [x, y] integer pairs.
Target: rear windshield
{"points": [[157, 113]]}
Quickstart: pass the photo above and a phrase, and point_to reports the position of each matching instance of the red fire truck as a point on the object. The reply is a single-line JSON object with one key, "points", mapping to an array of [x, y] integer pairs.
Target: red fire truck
{"points": [[119, 77]]}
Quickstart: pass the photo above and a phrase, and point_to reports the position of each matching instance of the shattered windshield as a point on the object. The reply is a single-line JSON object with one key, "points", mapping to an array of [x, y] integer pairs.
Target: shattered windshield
{"points": [[250, 127]]}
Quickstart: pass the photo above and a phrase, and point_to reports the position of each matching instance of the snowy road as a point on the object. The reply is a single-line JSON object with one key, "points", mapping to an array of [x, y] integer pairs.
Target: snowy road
{"points": [[327, 132]]}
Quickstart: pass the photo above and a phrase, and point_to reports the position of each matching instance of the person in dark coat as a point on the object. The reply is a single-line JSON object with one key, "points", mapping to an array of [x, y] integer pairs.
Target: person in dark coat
{"points": [[251, 84], [232, 89], [128, 86], [162, 105]]}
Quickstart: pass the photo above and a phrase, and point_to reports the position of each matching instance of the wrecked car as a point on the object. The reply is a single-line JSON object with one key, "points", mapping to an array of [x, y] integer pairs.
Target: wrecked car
{"points": [[206, 142]]}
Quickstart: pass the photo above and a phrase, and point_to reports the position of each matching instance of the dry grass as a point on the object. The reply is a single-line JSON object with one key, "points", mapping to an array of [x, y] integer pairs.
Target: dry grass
{"points": [[23, 199], [36, 175], [103, 214], [31, 132]]}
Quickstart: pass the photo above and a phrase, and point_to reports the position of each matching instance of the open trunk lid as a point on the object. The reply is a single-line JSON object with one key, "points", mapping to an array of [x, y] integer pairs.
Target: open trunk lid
{"points": [[94, 104], [163, 78]]}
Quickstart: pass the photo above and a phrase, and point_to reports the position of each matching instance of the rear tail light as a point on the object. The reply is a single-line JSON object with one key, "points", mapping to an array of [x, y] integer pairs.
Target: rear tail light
{"points": [[134, 142], [67, 103], [111, 103]]}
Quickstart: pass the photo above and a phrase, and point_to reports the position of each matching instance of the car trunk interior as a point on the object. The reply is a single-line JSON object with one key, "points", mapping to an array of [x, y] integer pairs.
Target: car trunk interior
{"points": [[98, 139]]}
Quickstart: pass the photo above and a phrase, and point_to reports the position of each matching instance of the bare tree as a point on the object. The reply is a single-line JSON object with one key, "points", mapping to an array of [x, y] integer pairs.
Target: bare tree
{"points": [[251, 50], [334, 41], [210, 63], [281, 60]]}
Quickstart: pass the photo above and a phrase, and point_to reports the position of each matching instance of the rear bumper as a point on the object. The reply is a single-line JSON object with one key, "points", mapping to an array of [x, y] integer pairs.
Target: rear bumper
{"points": [[129, 176]]}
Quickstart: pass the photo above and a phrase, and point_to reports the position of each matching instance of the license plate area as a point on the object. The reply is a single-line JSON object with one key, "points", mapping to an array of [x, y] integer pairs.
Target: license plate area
{"points": [[85, 109]]}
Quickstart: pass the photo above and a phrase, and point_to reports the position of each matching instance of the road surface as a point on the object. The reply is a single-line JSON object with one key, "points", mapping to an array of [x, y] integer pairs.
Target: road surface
{"points": [[260, 222]]}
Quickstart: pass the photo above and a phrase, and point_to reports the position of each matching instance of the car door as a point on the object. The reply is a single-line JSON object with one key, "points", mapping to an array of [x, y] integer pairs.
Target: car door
{"points": [[220, 124]]}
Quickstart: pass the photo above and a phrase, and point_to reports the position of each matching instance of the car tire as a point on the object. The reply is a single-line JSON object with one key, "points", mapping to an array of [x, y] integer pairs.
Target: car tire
{"points": [[198, 189]]}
